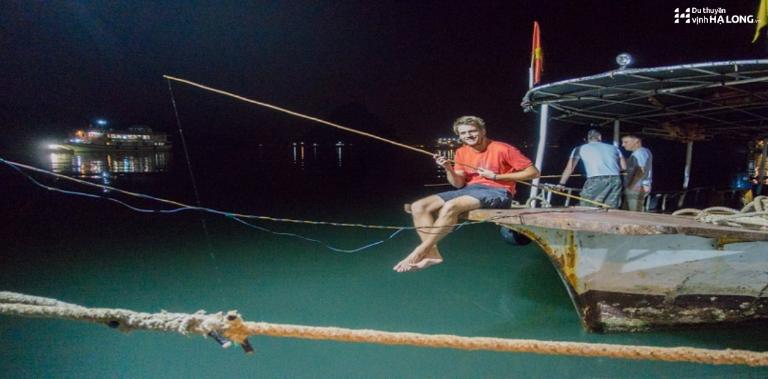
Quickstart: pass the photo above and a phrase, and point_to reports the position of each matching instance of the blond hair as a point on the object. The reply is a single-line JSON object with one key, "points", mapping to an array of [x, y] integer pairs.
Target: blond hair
{"points": [[468, 120]]}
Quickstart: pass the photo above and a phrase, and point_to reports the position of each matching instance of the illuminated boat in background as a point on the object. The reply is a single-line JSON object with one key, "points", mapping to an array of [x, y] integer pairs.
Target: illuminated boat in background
{"points": [[135, 138]]}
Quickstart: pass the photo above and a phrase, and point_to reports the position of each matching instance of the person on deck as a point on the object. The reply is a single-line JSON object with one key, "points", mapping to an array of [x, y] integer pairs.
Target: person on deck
{"points": [[485, 172], [603, 164], [637, 183]]}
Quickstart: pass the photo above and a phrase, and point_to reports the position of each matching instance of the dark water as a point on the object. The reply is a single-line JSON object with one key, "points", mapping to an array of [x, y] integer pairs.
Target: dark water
{"points": [[96, 253]]}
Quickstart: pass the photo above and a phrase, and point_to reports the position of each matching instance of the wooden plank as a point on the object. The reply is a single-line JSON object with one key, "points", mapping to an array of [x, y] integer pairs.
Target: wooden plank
{"points": [[614, 221]]}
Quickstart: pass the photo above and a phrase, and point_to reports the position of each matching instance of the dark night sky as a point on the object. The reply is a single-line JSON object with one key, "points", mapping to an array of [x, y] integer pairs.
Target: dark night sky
{"points": [[414, 66]]}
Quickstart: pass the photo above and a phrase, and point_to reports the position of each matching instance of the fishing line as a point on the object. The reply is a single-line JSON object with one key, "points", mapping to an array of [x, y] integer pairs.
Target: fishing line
{"points": [[211, 253], [369, 135]]}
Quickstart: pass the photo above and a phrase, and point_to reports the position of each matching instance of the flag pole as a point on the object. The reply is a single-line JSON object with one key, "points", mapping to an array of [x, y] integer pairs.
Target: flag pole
{"points": [[530, 77], [534, 73]]}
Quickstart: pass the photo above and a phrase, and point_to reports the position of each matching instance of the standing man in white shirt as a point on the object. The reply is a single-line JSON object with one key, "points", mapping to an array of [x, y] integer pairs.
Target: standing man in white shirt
{"points": [[603, 164], [639, 173]]}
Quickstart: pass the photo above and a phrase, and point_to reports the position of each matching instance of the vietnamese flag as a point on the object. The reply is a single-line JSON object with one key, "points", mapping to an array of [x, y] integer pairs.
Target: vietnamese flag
{"points": [[537, 56]]}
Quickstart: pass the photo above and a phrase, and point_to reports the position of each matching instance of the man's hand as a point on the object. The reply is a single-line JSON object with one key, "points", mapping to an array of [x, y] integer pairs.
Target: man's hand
{"points": [[486, 173], [442, 161]]}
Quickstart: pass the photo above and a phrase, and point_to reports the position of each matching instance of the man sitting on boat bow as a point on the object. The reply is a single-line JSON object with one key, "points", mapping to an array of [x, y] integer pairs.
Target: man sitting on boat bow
{"points": [[486, 175]]}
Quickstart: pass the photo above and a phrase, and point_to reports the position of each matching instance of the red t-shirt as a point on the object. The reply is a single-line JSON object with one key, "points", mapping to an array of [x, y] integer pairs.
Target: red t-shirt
{"points": [[498, 157]]}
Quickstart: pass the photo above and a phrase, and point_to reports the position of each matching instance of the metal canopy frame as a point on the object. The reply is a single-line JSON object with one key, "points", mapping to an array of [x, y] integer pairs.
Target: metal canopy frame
{"points": [[694, 101], [688, 103]]}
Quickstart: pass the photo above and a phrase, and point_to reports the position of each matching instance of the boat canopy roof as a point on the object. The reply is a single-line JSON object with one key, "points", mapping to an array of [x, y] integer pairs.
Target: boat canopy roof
{"points": [[688, 102]]}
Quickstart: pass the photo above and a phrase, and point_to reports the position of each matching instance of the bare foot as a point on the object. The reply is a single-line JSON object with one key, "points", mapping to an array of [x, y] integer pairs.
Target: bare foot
{"points": [[415, 256], [418, 261], [432, 258]]}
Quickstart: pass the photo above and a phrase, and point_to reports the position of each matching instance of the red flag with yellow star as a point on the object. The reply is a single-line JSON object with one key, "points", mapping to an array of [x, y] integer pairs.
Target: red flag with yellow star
{"points": [[537, 56]]}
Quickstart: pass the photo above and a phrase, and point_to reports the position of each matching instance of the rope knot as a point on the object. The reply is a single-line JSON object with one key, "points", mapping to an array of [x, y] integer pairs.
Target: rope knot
{"points": [[236, 331]]}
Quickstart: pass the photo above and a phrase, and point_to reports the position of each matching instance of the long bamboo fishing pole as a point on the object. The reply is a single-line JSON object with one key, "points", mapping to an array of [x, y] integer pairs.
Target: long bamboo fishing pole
{"points": [[321, 121], [297, 114]]}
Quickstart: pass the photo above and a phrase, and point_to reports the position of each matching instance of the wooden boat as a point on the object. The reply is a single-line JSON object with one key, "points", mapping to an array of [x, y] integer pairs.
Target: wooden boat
{"points": [[635, 271]]}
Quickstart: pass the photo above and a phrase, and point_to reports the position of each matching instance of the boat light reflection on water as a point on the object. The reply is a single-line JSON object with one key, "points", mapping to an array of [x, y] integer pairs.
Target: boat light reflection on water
{"points": [[97, 165], [339, 151], [344, 152], [299, 157]]}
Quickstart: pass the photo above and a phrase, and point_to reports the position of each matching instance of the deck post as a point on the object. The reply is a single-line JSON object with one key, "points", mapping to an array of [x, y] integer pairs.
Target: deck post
{"points": [[761, 173], [543, 124], [616, 132], [687, 172]]}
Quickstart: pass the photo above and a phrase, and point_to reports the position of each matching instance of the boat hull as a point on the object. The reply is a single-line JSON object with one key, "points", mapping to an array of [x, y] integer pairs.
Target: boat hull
{"points": [[641, 279], [629, 283]]}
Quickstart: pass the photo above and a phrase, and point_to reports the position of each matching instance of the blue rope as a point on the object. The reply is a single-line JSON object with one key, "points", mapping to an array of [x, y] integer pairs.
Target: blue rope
{"points": [[209, 210], [89, 195], [338, 250]]}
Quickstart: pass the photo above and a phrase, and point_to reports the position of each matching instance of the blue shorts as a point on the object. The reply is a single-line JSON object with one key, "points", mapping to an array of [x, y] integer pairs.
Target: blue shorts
{"points": [[490, 197]]}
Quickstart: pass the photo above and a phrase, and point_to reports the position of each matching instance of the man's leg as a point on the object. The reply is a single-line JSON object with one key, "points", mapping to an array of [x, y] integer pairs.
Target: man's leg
{"points": [[606, 190], [630, 200], [589, 191], [635, 200], [641, 201], [422, 212], [447, 217], [613, 191], [625, 201]]}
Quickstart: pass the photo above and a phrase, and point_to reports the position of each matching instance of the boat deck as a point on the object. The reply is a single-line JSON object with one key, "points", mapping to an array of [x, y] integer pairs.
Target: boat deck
{"points": [[613, 221]]}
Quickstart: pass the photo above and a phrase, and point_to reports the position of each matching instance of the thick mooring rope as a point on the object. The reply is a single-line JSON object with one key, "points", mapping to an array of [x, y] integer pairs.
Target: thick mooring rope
{"points": [[231, 326], [752, 215]]}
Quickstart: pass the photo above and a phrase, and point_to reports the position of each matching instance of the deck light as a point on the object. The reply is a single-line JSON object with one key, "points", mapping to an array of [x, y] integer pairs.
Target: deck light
{"points": [[623, 60]]}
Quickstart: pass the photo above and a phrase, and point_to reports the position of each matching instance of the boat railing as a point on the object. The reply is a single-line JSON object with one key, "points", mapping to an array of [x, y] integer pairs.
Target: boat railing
{"points": [[545, 199], [700, 197], [658, 201]]}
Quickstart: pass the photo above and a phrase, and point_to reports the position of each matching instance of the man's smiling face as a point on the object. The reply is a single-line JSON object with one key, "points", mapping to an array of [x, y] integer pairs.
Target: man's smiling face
{"points": [[471, 135]]}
